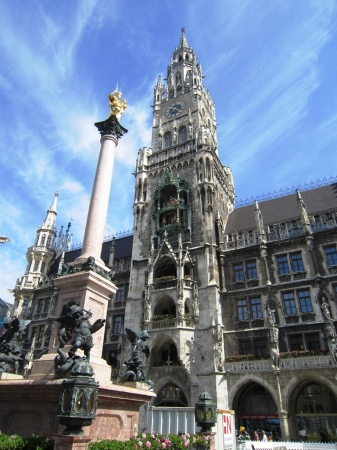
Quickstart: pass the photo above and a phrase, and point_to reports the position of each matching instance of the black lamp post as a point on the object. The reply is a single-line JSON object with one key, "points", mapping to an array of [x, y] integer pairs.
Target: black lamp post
{"points": [[78, 399], [205, 412]]}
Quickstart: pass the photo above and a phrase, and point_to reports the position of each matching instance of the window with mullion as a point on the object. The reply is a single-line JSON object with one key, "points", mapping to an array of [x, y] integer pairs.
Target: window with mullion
{"points": [[295, 342], [256, 308], [251, 270], [245, 347], [283, 265], [297, 262], [117, 325], [305, 301], [312, 341], [260, 347], [40, 306], [289, 303], [331, 255], [239, 274], [242, 310]]}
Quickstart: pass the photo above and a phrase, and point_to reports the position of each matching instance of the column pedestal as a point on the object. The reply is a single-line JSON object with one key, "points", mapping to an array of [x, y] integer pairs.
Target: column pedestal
{"points": [[92, 293]]}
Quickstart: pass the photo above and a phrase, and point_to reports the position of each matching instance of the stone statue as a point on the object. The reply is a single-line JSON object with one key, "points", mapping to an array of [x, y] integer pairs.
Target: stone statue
{"points": [[135, 367], [74, 320], [117, 106], [9, 351]]}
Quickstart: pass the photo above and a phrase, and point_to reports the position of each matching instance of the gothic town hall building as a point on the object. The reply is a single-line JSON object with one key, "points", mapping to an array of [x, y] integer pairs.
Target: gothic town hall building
{"points": [[240, 301]]}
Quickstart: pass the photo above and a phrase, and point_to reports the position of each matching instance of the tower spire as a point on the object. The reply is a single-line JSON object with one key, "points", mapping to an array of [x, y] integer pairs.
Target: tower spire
{"points": [[49, 221], [183, 40]]}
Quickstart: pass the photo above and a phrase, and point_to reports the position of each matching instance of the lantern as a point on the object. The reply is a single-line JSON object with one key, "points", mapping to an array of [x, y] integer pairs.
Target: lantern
{"points": [[205, 412], [78, 399]]}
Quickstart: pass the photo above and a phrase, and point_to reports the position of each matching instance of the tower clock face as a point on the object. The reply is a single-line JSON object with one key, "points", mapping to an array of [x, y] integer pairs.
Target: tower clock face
{"points": [[175, 109]]}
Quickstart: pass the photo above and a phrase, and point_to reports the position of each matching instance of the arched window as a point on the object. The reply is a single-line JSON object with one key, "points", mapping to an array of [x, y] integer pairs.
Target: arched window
{"points": [[182, 134], [167, 139], [178, 79], [187, 58]]}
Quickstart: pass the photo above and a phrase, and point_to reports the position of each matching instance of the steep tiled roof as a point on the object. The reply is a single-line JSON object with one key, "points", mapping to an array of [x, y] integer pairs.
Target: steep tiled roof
{"points": [[123, 249], [283, 209]]}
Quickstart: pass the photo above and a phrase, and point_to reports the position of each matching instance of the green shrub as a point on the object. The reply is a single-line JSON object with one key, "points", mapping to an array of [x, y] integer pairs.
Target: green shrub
{"points": [[32, 442]]}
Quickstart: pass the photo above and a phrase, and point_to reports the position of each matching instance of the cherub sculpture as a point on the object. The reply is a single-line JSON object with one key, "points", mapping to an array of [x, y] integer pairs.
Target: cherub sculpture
{"points": [[74, 321], [9, 351], [135, 367]]}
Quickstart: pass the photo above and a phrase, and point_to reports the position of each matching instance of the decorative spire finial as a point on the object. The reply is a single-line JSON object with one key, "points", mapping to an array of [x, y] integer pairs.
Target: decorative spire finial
{"points": [[183, 40]]}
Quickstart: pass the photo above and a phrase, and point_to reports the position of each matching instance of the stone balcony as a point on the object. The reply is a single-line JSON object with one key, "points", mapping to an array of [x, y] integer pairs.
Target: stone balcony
{"points": [[166, 284], [293, 363], [171, 323]]}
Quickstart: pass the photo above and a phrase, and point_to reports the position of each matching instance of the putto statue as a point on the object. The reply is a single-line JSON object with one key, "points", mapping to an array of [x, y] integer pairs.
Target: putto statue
{"points": [[135, 367], [74, 321], [9, 351], [117, 106]]}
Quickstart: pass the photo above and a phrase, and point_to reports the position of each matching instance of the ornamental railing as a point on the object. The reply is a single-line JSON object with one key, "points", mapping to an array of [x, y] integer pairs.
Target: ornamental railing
{"points": [[292, 363], [171, 323]]}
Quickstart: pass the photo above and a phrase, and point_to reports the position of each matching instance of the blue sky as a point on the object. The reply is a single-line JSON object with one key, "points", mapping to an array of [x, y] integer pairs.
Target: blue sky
{"points": [[270, 66]]}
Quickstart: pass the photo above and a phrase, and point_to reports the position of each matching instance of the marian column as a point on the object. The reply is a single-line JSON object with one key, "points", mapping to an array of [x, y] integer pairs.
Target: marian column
{"points": [[110, 130]]}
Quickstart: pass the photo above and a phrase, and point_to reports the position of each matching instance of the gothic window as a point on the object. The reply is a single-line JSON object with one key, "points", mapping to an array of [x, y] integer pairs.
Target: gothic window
{"points": [[36, 266], [43, 265], [260, 347], [167, 139], [251, 271], [178, 79], [289, 303], [43, 240], [139, 190], [312, 341], [256, 308], [120, 294], [242, 309], [182, 134], [47, 305], [296, 262], [171, 93], [238, 273], [305, 301], [305, 341], [48, 241], [295, 342], [331, 255], [245, 347], [117, 325], [282, 264], [40, 306], [25, 306], [187, 58]]}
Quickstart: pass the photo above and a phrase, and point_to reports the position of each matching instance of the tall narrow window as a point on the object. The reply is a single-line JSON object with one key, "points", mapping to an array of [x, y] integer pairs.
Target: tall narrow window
{"points": [[242, 310], [260, 347], [245, 347], [25, 306], [282, 263], [295, 342], [36, 266], [238, 273], [43, 240], [47, 305], [117, 325], [182, 134], [297, 262], [331, 255], [251, 270], [120, 294], [40, 306], [312, 341], [305, 301], [256, 308], [167, 139], [289, 303], [40, 333]]}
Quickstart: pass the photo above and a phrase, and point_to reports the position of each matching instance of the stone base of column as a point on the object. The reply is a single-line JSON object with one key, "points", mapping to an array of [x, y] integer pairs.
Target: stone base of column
{"points": [[91, 291], [71, 442]]}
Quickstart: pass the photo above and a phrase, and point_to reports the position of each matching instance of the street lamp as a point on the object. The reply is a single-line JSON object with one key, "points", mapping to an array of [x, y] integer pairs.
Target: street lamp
{"points": [[205, 412]]}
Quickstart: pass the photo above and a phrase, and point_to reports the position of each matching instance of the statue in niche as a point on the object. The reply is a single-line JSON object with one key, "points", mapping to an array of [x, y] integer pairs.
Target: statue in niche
{"points": [[74, 320], [273, 339], [135, 366], [9, 351]]}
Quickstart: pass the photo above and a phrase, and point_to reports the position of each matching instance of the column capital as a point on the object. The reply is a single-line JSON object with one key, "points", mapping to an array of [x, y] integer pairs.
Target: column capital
{"points": [[111, 127]]}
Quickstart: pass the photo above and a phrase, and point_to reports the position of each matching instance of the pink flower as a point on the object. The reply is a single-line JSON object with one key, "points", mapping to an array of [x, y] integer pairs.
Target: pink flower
{"points": [[153, 436], [163, 445], [153, 432], [140, 443], [143, 435], [148, 444], [186, 443]]}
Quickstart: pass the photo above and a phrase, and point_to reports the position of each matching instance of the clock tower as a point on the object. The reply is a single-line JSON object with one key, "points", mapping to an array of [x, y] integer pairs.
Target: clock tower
{"points": [[183, 196]]}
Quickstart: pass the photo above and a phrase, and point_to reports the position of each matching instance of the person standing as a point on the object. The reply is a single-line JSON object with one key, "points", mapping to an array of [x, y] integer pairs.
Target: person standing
{"points": [[264, 436]]}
